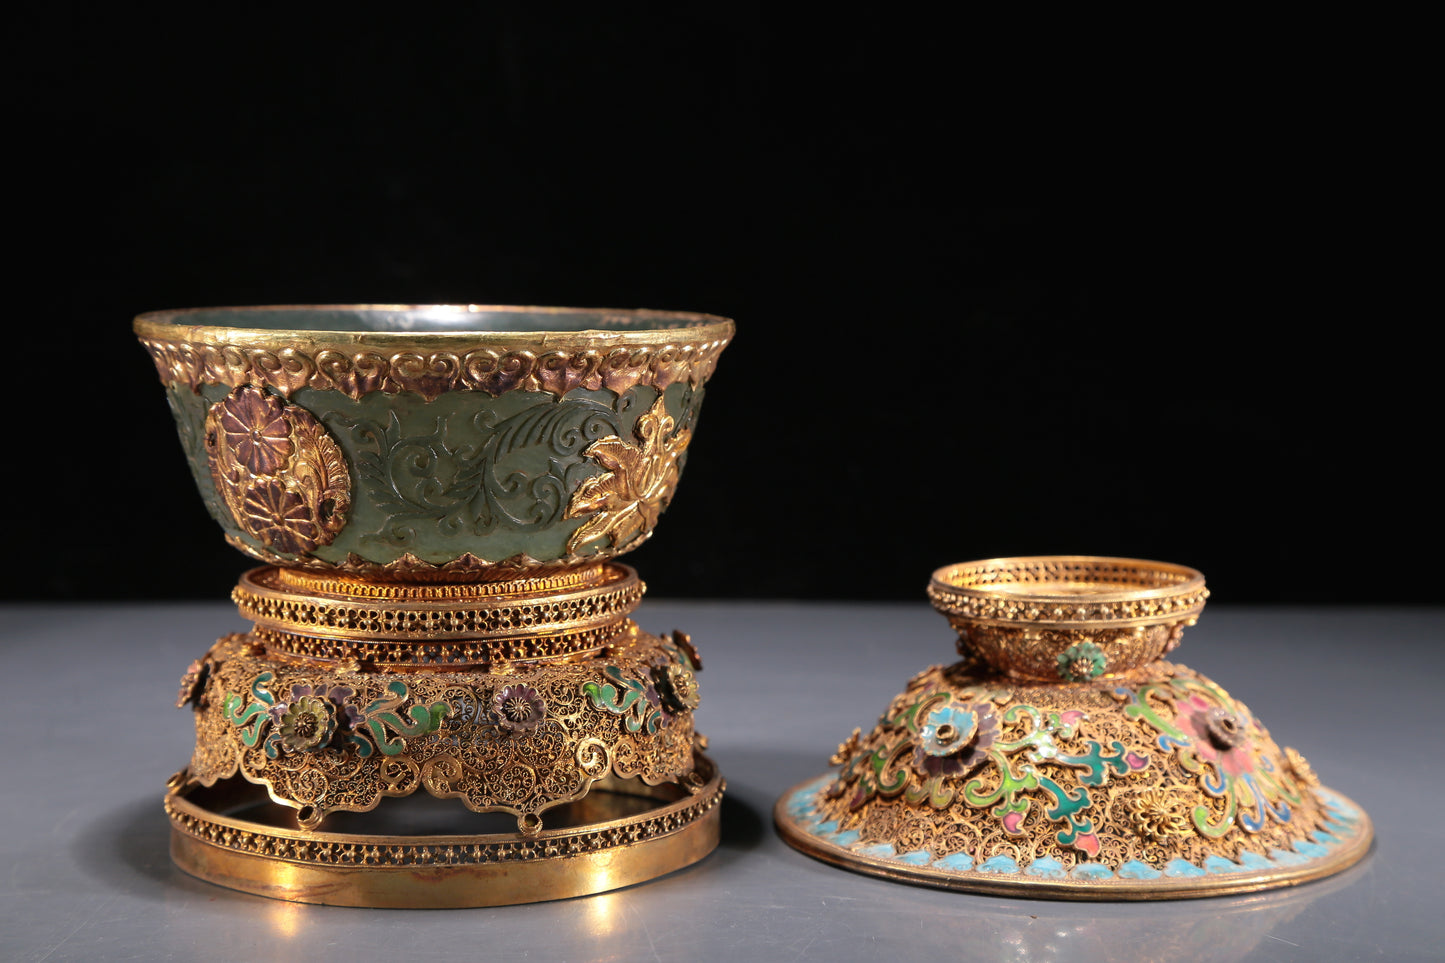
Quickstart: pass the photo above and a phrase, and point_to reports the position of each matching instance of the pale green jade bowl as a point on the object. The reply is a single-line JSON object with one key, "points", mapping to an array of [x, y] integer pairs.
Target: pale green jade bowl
{"points": [[444, 442]]}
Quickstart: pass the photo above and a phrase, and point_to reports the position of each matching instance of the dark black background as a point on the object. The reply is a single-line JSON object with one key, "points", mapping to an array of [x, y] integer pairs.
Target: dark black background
{"points": [[1139, 288]]}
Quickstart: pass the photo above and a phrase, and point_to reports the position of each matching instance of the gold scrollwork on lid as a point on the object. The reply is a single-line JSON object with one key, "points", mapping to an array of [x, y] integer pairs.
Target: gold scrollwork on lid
{"points": [[283, 478]]}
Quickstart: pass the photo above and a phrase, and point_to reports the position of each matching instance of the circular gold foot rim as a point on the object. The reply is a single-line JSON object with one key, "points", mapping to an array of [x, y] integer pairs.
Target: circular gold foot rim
{"points": [[436, 872], [1349, 841]]}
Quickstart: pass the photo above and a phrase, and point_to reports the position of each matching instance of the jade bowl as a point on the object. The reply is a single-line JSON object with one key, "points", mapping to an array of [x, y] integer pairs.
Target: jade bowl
{"points": [[454, 442]]}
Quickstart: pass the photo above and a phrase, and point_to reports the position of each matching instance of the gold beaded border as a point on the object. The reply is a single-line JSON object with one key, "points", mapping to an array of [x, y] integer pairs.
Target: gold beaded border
{"points": [[261, 597], [342, 586]]}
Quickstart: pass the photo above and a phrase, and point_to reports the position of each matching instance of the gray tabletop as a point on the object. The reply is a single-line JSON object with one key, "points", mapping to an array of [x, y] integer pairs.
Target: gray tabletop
{"points": [[90, 737]]}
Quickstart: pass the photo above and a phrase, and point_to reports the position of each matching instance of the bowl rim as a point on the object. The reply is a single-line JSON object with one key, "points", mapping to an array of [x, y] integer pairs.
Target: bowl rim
{"points": [[1184, 581], [624, 326]]}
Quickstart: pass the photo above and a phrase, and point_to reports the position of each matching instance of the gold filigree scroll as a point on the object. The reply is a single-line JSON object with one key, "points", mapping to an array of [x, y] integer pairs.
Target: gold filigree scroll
{"points": [[1059, 772], [625, 501], [283, 478], [323, 740]]}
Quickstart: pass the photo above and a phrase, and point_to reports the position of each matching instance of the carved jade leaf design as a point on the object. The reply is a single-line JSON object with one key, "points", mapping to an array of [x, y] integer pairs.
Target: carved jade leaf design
{"points": [[465, 477]]}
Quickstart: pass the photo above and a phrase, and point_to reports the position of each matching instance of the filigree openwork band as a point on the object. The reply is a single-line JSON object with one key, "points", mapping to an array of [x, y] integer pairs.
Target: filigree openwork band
{"points": [[324, 739], [273, 600], [349, 849], [448, 656], [360, 869]]}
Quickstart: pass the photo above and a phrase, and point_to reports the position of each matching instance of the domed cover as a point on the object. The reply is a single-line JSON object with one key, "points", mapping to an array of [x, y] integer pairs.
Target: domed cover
{"points": [[1142, 783]]}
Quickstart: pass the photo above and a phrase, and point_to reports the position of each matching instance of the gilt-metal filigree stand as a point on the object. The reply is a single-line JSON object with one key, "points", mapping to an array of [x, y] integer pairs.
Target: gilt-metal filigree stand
{"points": [[443, 700], [536, 699], [1064, 758]]}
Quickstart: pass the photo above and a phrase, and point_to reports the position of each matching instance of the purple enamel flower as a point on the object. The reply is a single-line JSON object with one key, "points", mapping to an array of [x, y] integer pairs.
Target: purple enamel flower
{"points": [[519, 707]]}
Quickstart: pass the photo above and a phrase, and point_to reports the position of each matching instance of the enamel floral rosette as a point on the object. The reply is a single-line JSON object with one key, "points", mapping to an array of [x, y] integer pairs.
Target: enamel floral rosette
{"points": [[1064, 757], [440, 495]]}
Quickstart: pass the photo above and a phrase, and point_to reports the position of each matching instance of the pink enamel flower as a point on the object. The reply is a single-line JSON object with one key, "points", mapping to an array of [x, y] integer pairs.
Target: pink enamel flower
{"points": [[1218, 735]]}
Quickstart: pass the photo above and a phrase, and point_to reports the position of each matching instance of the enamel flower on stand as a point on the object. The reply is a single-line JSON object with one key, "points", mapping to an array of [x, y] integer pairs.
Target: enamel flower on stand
{"points": [[519, 708], [311, 718]]}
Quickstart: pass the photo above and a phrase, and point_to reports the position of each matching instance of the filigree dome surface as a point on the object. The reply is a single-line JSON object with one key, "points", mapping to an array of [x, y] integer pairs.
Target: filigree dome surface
{"points": [[1148, 781]]}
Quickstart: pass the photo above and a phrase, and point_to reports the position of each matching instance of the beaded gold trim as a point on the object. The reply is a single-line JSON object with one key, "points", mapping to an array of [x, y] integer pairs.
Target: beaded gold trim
{"points": [[443, 656], [439, 612], [357, 588]]}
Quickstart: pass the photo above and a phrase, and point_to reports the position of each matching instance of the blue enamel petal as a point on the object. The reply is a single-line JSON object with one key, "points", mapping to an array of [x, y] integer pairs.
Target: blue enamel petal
{"points": [[1182, 867], [1045, 867], [1134, 869]]}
